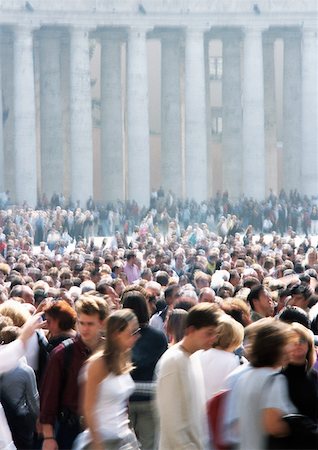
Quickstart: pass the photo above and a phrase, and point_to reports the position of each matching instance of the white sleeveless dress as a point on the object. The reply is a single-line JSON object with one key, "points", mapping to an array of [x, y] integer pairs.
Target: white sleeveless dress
{"points": [[111, 415]]}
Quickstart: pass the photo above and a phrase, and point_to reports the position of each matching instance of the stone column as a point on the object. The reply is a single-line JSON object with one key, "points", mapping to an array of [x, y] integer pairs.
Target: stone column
{"points": [[80, 117], [112, 162], [309, 156], [292, 111], [24, 117], [271, 157], [171, 157], [138, 118], [2, 158], [232, 114], [52, 167], [253, 116], [7, 98], [195, 116]]}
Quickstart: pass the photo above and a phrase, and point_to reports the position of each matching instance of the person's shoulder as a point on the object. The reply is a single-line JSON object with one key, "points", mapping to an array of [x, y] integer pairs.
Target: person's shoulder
{"points": [[154, 334]]}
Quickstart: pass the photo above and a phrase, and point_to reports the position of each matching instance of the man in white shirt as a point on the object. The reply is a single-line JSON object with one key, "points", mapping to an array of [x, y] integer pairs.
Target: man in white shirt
{"points": [[180, 395]]}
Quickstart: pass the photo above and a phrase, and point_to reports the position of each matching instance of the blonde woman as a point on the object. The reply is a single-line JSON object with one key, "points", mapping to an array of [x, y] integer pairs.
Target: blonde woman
{"points": [[218, 362], [108, 387], [302, 382]]}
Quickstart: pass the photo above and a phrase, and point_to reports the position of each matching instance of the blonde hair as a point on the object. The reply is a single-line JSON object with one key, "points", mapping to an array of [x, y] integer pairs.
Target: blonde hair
{"points": [[230, 333], [309, 336], [116, 361], [17, 312]]}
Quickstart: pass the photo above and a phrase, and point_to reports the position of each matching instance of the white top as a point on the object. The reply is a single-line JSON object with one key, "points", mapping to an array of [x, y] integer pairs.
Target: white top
{"points": [[216, 366], [180, 400], [256, 390], [111, 413]]}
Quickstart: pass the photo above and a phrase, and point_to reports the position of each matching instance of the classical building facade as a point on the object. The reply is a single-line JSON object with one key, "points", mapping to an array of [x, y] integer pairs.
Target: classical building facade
{"points": [[46, 79]]}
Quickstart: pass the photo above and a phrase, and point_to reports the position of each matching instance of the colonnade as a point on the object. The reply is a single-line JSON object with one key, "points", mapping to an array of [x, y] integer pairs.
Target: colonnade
{"points": [[59, 116]]}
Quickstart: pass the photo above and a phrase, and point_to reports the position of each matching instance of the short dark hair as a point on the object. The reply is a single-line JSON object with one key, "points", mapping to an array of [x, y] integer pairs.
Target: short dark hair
{"points": [[292, 314], [169, 291], [203, 315], [137, 302], [255, 293], [162, 278]]}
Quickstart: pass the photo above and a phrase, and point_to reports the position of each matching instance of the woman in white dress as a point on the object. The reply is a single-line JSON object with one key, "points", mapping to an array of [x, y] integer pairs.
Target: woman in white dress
{"points": [[109, 386]]}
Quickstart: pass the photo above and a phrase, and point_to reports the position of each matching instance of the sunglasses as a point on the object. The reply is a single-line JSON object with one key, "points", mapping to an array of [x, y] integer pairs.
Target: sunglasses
{"points": [[137, 331]]}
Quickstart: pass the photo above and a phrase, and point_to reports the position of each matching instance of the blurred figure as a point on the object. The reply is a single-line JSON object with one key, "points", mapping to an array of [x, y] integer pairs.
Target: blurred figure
{"points": [[176, 325]]}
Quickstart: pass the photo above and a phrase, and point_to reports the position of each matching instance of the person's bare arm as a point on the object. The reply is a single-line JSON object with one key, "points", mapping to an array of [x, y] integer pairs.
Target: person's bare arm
{"points": [[273, 423]]}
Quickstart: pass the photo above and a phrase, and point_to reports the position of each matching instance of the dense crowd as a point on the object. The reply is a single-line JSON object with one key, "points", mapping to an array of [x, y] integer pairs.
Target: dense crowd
{"points": [[221, 323], [68, 221]]}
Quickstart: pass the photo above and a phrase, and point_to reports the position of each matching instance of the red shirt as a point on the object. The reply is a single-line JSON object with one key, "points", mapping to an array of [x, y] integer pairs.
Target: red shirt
{"points": [[57, 393]]}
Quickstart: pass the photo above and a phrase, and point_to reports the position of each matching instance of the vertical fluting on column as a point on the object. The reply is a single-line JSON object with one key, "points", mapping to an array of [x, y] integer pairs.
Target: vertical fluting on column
{"points": [[271, 157], [24, 117], [80, 117], [291, 110], [232, 113], [112, 156], [7, 70], [309, 155], [2, 158], [52, 167], [195, 116], [253, 116], [171, 158], [138, 118]]}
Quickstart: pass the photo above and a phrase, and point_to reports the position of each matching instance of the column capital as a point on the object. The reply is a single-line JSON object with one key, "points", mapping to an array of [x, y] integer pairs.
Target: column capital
{"points": [[196, 30], [139, 30], [254, 30], [23, 30], [309, 32], [77, 30]]}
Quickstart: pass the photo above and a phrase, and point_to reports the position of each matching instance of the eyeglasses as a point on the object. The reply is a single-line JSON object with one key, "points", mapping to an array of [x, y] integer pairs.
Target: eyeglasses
{"points": [[137, 331]]}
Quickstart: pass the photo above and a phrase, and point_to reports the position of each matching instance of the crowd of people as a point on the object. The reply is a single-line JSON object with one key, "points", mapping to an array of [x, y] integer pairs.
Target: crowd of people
{"points": [[177, 336], [63, 220]]}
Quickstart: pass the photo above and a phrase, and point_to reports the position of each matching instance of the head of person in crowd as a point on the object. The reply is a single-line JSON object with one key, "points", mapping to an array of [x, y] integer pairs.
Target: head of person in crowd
{"points": [[146, 274], [171, 294], [92, 312], [162, 277], [235, 278], [201, 327], [136, 301], [176, 325], [238, 309], [302, 347], [230, 334], [5, 321], [60, 318], [206, 295], [201, 280], [261, 303], [24, 292], [226, 290], [9, 334], [300, 296], [16, 311], [122, 331], [131, 257], [291, 314], [269, 344]]}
